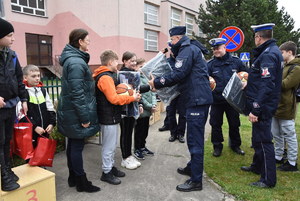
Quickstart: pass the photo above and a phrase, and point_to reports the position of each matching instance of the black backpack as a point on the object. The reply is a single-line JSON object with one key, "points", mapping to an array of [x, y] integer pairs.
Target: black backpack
{"points": [[296, 90]]}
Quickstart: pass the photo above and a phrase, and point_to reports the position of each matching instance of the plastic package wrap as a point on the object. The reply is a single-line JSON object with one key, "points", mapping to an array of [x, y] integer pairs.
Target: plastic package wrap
{"points": [[234, 94], [132, 78], [158, 66]]}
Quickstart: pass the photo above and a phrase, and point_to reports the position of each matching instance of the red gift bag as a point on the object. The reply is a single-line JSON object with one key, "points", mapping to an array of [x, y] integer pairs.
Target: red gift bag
{"points": [[22, 139], [44, 152]]}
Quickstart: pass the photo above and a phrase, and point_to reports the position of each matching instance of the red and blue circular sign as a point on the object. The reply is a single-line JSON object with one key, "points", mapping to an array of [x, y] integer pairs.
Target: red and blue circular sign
{"points": [[234, 38]]}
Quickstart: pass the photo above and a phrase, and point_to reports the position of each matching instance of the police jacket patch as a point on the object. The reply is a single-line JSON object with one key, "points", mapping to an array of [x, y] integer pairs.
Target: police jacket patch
{"points": [[178, 63], [265, 72]]}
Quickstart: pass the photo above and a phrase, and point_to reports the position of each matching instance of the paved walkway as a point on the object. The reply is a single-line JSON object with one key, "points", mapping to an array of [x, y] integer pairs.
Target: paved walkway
{"points": [[155, 180]]}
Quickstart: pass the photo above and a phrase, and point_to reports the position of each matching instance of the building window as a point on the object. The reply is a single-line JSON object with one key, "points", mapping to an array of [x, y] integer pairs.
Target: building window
{"points": [[151, 14], [151, 40], [1, 8], [175, 17], [189, 23], [39, 49], [30, 7]]}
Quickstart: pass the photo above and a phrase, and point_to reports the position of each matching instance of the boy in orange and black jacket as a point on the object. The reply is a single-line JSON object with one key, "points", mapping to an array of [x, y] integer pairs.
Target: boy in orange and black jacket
{"points": [[109, 113]]}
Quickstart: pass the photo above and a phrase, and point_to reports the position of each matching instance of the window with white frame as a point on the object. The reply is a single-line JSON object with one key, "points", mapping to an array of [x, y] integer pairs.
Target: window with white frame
{"points": [[189, 23], [1, 8], [175, 17], [150, 14], [30, 7], [151, 40]]}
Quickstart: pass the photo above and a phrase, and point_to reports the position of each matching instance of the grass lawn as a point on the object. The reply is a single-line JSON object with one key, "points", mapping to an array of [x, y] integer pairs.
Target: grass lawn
{"points": [[225, 170]]}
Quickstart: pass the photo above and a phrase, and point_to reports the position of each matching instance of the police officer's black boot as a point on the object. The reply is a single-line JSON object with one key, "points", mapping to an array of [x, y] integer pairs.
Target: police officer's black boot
{"points": [[7, 182], [238, 150], [172, 138], [181, 138], [218, 150], [189, 186], [185, 171], [164, 128]]}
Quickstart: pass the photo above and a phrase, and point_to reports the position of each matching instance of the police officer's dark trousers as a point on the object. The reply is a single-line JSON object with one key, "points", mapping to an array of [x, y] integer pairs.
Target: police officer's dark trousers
{"points": [[166, 121], [196, 119], [177, 127], [216, 122], [264, 156]]}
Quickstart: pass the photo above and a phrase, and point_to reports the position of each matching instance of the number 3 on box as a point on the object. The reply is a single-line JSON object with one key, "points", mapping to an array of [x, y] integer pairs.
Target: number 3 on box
{"points": [[33, 198]]}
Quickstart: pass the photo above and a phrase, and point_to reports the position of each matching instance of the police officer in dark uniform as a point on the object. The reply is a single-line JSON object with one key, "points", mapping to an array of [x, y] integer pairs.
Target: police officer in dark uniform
{"points": [[221, 68], [191, 75], [177, 105], [263, 92]]}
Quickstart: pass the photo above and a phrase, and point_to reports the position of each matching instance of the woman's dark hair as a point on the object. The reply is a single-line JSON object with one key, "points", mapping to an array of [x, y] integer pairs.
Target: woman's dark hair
{"points": [[76, 35], [127, 55]]}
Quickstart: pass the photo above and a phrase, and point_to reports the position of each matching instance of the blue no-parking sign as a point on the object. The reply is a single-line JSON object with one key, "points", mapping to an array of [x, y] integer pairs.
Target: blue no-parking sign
{"points": [[234, 38]]}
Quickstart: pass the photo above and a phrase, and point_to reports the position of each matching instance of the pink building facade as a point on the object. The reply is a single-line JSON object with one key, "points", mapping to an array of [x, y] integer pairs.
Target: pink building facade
{"points": [[42, 26]]}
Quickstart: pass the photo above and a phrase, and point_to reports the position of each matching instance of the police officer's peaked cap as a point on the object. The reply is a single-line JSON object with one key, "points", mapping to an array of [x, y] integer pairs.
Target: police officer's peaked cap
{"points": [[5, 28], [217, 41], [268, 26], [179, 30]]}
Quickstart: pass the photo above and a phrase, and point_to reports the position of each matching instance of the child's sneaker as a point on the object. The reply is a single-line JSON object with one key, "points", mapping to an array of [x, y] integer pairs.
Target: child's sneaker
{"points": [[147, 152], [287, 167], [279, 161], [128, 164], [110, 178], [138, 154], [134, 161], [116, 172]]}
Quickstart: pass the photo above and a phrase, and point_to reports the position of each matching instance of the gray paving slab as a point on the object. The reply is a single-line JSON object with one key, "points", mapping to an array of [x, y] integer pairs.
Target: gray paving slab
{"points": [[155, 180]]}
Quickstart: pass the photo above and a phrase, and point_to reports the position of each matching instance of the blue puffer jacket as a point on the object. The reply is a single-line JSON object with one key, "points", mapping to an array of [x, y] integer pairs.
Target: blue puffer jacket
{"points": [[221, 69], [77, 103], [264, 81], [190, 73]]}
